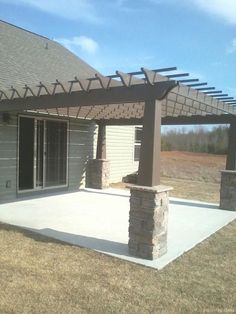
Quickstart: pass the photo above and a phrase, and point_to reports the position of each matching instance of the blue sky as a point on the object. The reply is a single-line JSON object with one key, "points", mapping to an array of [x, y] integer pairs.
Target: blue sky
{"points": [[197, 36]]}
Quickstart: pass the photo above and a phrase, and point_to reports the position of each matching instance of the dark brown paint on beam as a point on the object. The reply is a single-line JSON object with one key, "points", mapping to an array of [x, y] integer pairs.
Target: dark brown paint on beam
{"points": [[150, 153], [180, 120], [231, 155], [118, 94]]}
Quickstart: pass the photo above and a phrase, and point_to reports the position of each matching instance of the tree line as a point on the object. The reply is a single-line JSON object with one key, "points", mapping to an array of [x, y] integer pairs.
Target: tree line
{"points": [[201, 139]]}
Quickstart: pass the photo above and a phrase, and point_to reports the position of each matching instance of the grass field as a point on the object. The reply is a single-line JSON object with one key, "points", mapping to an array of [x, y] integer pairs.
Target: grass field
{"points": [[41, 275]]}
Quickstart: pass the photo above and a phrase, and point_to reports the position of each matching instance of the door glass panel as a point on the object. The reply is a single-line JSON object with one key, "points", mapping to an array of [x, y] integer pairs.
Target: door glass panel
{"points": [[26, 153], [39, 152], [56, 153]]}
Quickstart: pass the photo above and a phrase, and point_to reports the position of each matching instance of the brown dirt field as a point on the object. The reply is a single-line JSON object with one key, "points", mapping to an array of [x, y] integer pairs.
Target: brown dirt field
{"points": [[193, 176], [192, 166]]}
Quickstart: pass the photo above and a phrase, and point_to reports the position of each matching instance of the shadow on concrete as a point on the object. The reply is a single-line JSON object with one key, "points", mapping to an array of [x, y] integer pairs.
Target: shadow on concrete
{"points": [[30, 233], [48, 235], [97, 244], [192, 204]]}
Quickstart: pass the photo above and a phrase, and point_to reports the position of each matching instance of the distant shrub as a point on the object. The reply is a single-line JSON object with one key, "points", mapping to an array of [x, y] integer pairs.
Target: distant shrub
{"points": [[202, 140]]}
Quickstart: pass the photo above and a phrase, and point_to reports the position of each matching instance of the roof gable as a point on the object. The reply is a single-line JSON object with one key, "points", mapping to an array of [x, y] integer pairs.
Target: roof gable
{"points": [[28, 58]]}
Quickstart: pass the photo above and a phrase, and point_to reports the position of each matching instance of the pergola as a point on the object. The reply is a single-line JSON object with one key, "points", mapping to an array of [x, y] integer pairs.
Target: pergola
{"points": [[139, 98]]}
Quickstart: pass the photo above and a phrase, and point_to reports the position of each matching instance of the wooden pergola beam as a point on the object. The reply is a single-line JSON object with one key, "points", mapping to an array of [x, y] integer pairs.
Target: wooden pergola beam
{"points": [[199, 119], [180, 120], [114, 95]]}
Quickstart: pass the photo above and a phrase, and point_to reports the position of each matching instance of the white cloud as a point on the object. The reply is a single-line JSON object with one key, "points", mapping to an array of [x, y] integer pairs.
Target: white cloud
{"points": [[84, 43], [70, 9], [232, 47], [125, 6], [225, 9], [222, 8]]}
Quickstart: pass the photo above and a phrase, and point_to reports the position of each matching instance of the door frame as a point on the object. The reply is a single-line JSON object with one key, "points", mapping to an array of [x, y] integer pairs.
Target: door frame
{"points": [[44, 187]]}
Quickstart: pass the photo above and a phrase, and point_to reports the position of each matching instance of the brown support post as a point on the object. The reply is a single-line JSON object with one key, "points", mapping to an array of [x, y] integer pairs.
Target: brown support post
{"points": [[231, 156], [228, 176], [150, 157], [101, 142], [149, 201]]}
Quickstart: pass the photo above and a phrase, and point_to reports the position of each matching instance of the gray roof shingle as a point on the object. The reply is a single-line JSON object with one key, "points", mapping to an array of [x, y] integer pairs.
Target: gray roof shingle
{"points": [[28, 58]]}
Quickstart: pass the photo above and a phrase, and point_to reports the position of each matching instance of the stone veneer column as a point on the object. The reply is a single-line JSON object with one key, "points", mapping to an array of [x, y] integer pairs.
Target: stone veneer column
{"points": [[148, 221], [228, 190], [98, 173]]}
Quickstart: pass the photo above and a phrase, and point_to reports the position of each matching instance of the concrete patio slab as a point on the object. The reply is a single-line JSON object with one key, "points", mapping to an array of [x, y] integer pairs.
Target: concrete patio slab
{"points": [[98, 219]]}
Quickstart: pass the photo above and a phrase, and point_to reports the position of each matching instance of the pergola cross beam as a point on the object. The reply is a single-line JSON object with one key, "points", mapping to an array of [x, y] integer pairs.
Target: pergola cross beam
{"points": [[116, 94], [65, 97]]}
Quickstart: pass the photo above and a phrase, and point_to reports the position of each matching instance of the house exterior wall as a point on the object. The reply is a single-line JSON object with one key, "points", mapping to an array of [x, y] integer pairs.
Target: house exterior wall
{"points": [[82, 137], [8, 159], [120, 151], [80, 149]]}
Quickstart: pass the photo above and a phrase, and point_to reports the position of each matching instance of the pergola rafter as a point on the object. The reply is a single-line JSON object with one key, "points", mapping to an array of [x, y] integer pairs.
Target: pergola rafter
{"points": [[122, 99], [109, 97]]}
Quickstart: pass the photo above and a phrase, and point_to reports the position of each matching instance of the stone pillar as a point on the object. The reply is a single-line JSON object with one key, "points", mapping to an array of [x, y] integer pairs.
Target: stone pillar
{"points": [[148, 221], [98, 173], [228, 190]]}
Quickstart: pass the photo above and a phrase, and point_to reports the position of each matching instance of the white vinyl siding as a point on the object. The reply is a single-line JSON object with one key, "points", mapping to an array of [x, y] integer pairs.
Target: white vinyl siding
{"points": [[8, 158], [120, 151], [81, 148]]}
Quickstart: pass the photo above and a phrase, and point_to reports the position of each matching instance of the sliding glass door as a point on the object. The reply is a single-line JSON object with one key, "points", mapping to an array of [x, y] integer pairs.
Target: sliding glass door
{"points": [[39, 153], [42, 153], [26, 154], [56, 153]]}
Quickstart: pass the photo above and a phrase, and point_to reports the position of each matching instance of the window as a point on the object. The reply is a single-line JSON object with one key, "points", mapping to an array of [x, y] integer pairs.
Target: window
{"points": [[137, 142]]}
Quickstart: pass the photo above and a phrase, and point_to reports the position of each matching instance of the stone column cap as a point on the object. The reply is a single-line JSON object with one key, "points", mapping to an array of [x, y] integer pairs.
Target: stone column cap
{"points": [[152, 189], [228, 171]]}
